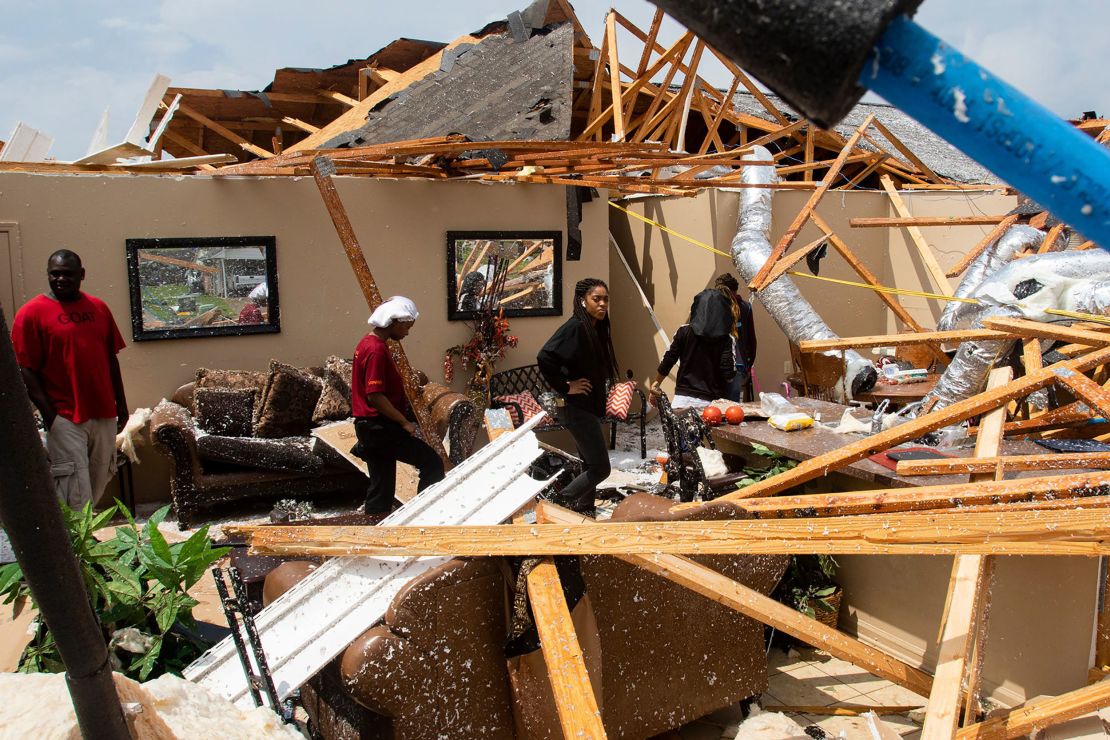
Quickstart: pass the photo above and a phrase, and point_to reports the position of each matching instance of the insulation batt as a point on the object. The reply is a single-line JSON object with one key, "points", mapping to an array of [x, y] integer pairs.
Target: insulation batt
{"points": [[751, 247]]}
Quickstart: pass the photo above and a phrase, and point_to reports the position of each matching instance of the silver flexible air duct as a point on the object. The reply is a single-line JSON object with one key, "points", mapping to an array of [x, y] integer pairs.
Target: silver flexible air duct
{"points": [[751, 247], [957, 315], [1074, 281]]}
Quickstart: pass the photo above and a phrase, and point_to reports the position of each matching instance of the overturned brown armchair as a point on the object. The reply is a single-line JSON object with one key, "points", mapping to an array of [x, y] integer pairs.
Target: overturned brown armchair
{"points": [[659, 655]]}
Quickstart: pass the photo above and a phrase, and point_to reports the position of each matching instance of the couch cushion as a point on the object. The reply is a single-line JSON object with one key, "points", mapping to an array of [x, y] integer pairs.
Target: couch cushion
{"points": [[335, 400], [288, 401], [289, 453], [209, 378], [225, 411]]}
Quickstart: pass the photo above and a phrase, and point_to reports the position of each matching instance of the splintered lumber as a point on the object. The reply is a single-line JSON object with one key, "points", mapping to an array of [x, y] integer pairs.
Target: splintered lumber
{"points": [[956, 465], [992, 236], [903, 340], [928, 497], [794, 258], [1021, 722], [942, 713], [723, 590], [950, 532], [882, 223], [822, 464], [987, 444], [1086, 389], [760, 280], [570, 683], [322, 172], [923, 248], [1044, 330]]}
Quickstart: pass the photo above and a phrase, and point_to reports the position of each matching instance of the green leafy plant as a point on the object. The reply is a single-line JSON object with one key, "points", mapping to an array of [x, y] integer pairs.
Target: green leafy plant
{"points": [[809, 583], [138, 585], [776, 464]]}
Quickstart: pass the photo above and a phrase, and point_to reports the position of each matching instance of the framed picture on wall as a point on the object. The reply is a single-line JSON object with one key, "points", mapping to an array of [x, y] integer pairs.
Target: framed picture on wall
{"points": [[203, 287], [522, 271]]}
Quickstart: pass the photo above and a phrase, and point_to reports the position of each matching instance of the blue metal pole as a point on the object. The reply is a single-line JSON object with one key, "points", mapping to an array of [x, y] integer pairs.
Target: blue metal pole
{"points": [[1032, 149]]}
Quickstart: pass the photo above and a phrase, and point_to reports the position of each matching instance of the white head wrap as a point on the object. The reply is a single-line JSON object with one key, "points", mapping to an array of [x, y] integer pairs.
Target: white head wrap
{"points": [[262, 290], [397, 308]]}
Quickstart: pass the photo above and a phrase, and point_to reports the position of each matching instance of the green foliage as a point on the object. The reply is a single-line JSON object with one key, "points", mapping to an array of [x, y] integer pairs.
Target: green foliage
{"points": [[809, 582], [776, 464], [137, 583]]}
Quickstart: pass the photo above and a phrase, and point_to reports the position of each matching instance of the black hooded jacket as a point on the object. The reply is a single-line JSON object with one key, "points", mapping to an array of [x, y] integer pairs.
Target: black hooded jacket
{"points": [[704, 349]]}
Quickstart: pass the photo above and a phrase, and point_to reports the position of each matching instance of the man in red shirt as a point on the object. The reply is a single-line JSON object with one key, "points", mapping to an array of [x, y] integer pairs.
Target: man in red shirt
{"points": [[66, 343], [380, 407]]}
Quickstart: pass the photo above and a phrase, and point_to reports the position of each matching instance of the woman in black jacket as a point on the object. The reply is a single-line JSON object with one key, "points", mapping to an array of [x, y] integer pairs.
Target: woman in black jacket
{"points": [[704, 351], [577, 361]]}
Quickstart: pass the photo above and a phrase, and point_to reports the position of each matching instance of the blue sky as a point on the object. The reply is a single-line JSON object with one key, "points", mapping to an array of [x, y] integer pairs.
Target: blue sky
{"points": [[62, 63]]}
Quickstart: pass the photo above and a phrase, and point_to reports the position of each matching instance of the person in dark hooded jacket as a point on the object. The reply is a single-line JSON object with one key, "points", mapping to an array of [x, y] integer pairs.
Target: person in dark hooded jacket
{"points": [[705, 352]]}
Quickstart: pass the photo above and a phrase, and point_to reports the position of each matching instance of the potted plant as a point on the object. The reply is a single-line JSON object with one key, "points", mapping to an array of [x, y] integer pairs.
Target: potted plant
{"points": [[809, 585]]}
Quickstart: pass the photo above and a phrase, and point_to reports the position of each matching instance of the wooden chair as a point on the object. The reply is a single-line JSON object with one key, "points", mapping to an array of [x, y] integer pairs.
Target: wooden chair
{"points": [[821, 374]]}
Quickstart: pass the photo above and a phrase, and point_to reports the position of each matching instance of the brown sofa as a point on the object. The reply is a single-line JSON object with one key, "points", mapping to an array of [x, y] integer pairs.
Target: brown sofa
{"points": [[436, 666], [197, 485]]}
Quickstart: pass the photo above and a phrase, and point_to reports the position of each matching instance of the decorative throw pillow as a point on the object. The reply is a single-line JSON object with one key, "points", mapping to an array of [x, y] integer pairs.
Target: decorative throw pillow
{"points": [[288, 454], [225, 411], [287, 403], [527, 403], [335, 400], [620, 400], [207, 378]]}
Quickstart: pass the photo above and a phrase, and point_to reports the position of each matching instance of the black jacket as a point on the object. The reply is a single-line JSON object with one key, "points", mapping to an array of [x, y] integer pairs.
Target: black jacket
{"points": [[568, 356], [706, 365], [746, 330]]}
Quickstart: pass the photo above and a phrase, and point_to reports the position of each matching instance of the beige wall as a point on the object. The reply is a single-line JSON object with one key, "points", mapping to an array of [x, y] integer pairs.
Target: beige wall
{"points": [[402, 226], [1040, 629]]}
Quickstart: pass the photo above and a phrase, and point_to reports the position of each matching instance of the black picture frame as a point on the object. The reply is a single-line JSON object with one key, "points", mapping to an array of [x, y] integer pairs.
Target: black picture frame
{"points": [[181, 294], [546, 296]]}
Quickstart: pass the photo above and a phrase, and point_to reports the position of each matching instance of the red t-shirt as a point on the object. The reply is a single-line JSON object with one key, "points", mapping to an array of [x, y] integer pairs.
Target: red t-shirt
{"points": [[70, 346], [373, 371]]}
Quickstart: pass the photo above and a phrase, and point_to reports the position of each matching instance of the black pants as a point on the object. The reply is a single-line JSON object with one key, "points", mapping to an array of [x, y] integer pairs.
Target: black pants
{"points": [[585, 427], [381, 443]]}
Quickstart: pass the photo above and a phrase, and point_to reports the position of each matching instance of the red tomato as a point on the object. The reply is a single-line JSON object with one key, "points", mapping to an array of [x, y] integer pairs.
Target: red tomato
{"points": [[734, 414], [712, 415]]}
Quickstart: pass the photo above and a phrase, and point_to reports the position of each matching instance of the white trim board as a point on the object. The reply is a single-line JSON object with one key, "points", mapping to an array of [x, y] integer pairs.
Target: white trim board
{"points": [[315, 620]]}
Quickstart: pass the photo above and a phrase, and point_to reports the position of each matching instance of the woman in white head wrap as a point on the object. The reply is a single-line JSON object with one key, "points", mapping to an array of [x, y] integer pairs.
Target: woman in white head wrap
{"points": [[381, 408]]}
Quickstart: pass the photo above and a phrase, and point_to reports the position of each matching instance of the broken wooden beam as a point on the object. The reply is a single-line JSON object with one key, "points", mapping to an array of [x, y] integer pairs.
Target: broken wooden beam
{"points": [[322, 172], [1009, 464], [945, 532], [1045, 330], [919, 498], [907, 339], [1023, 720], [566, 669], [882, 222]]}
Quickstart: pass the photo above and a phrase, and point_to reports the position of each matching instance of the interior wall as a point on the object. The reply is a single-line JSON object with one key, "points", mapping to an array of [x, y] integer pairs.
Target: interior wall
{"points": [[401, 225], [905, 267]]}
